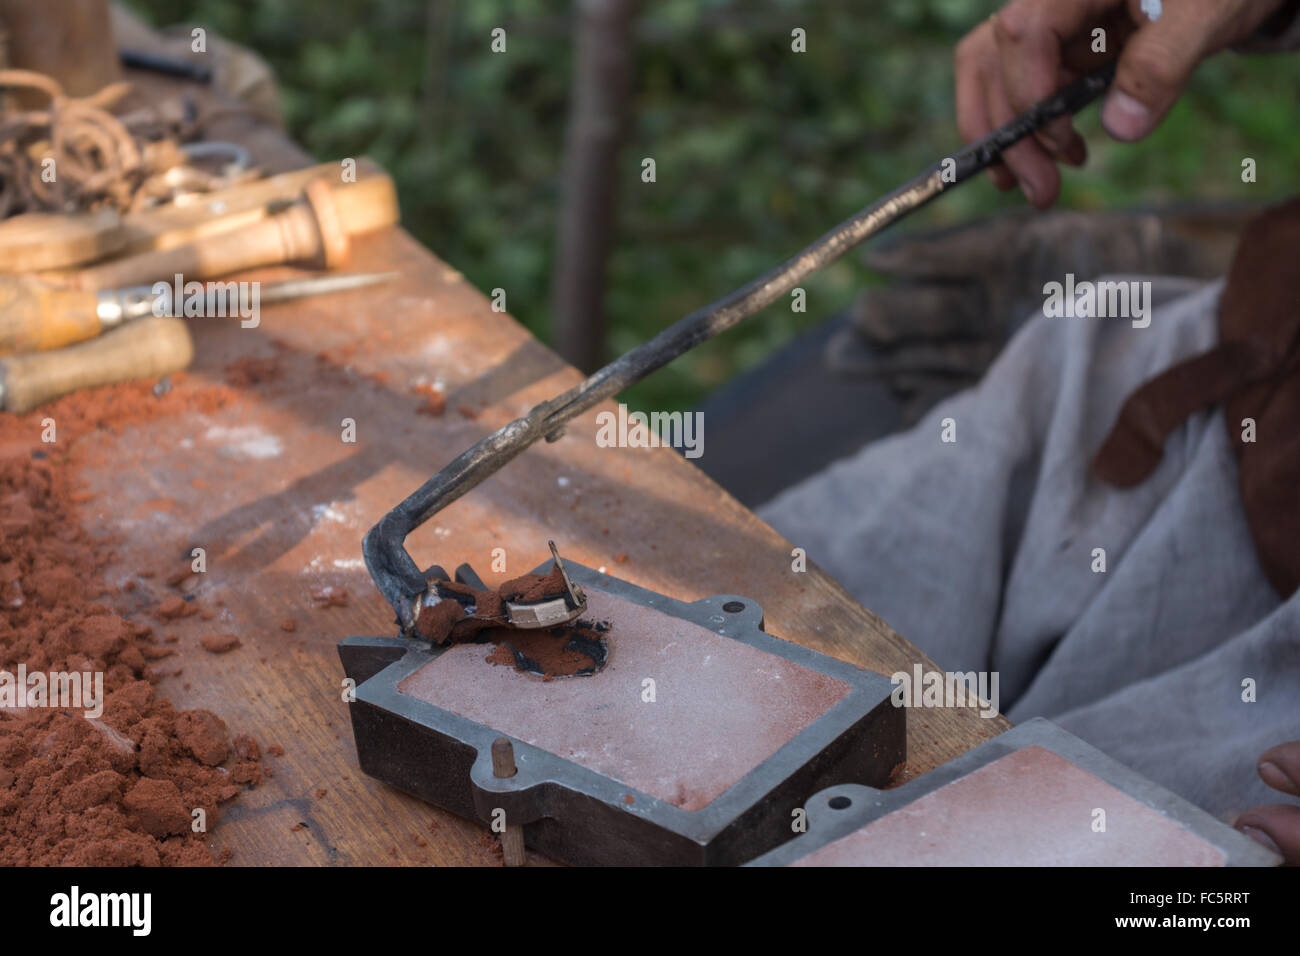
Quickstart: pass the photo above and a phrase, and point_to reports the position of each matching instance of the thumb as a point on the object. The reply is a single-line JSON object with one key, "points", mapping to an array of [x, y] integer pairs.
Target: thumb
{"points": [[1153, 69]]}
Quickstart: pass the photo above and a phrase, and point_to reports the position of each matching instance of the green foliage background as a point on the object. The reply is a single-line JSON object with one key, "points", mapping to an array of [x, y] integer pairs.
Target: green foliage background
{"points": [[758, 149]]}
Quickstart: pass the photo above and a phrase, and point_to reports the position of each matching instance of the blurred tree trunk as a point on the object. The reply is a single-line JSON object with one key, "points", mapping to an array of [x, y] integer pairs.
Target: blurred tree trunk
{"points": [[598, 110], [70, 40], [439, 24]]}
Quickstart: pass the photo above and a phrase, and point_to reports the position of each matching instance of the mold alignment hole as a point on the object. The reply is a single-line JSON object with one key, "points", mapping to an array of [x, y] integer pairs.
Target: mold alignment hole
{"points": [[733, 607], [839, 803]]}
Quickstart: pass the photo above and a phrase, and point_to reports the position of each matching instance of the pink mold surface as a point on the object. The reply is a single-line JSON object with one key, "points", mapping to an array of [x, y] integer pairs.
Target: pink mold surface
{"points": [[720, 707], [1029, 808]]}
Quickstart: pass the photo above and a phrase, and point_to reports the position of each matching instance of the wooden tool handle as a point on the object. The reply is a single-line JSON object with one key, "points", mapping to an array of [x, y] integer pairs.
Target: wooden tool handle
{"points": [[368, 202], [365, 205], [34, 241], [308, 232], [144, 348], [35, 316]]}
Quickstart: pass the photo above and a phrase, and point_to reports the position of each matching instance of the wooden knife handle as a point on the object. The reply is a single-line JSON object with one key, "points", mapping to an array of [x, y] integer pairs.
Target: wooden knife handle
{"points": [[35, 316], [309, 232], [33, 241], [143, 348]]}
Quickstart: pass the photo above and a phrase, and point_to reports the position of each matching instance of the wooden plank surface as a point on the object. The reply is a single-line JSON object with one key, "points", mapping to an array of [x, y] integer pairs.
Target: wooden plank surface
{"points": [[267, 486]]}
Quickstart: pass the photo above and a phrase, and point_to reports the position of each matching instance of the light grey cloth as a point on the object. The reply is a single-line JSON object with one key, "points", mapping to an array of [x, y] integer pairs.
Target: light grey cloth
{"points": [[981, 553]]}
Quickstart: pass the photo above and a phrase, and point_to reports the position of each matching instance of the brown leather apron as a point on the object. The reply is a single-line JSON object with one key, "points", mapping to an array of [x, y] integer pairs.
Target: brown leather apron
{"points": [[1255, 372]]}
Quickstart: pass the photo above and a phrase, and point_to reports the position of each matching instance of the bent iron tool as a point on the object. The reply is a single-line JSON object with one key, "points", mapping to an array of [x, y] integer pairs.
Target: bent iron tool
{"points": [[395, 573], [588, 774]]}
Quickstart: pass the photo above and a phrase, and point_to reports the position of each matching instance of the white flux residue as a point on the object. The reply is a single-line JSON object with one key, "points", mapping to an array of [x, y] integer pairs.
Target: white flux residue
{"points": [[247, 441]]}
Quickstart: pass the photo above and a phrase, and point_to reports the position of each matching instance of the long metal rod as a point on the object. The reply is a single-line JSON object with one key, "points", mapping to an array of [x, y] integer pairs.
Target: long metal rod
{"points": [[396, 574]]}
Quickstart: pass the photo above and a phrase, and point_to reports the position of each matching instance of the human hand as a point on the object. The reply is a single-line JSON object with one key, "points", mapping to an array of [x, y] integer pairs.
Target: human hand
{"points": [[1031, 48], [1277, 825]]}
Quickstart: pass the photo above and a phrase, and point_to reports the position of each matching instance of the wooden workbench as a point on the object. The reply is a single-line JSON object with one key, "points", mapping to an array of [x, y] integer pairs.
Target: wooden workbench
{"points": [[280, 502]]}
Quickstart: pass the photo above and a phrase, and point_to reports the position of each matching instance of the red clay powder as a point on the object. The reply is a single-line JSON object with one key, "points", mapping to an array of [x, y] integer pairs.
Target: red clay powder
{"points": [[121, 788], [548, 648]]}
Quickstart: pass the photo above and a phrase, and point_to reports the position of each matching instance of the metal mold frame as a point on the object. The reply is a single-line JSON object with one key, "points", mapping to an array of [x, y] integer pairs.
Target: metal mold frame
{"points": [[579, 816], [826, 824]]}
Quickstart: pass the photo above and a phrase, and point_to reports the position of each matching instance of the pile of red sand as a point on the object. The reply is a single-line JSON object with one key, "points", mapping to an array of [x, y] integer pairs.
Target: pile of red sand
{"points": [[121, 788]]}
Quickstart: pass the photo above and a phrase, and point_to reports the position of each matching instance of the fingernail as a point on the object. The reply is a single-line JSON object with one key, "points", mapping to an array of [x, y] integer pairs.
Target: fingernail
{"points": [[1124, 117], [1275, 777], [1259, 836], [1030, 192], [1049, 139]]}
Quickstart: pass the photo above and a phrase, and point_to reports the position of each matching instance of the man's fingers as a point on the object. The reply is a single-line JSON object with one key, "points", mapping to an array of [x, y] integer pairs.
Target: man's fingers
{"points": [[1155, 65], [1001, 177], [1279, 767], [969, 96], [1030, 57], [1277, 827], [1033, 168], [1075, 152], [1009, 63], [973, 57], [1030, 38], [1089, 50]]}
